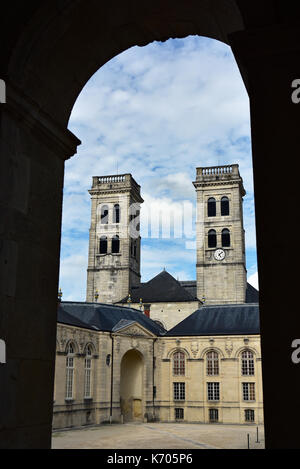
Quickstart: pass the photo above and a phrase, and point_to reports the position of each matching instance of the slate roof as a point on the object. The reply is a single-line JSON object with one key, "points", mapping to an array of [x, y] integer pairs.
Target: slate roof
{"points": [[252, 295], [163, 288], [231, 319], [190, 286], [103, 317]]}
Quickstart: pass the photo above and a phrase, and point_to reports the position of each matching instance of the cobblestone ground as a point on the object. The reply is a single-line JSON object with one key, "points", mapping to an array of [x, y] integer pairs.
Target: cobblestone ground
{"points": [[160, 436]]}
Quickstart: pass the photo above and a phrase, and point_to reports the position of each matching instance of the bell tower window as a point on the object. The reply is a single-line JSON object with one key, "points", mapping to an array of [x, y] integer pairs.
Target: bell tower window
{"points": [[225, 238], [224, 206], [103, 245], [115, 244], [211, 207], [104, 215], [116, 213], [212, 239]]}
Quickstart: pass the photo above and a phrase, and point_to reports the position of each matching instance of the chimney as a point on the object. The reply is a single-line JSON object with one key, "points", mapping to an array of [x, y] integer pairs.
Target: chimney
{"points": [[147, 307]]}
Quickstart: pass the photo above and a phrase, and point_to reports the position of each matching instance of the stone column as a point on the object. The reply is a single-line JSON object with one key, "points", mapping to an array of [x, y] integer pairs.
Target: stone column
{"points": [[269, 60], [33, 150]]}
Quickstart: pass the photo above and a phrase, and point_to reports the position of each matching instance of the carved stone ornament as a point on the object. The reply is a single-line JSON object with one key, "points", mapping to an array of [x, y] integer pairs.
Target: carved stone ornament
{"points": [[211, 341], [228, 347], [195, 348], [134, 342]]}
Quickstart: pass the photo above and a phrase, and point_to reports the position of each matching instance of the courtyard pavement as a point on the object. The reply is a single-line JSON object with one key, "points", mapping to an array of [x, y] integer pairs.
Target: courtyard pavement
{"points": [[160, 436]]}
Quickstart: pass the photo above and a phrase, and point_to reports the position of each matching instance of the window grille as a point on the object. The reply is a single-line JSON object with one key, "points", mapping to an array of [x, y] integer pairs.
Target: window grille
{"points": [[249, 415], [69, 372], [213, 415], [179, 414], [179, 364], [87, 373], [179, 391], [213, 391], [212, 363], [249, 391], [247, 363]]}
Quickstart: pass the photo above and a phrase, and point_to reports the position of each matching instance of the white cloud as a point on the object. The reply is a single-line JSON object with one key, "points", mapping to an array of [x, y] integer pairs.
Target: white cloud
{"points": [[253, 280], [157, 112]]}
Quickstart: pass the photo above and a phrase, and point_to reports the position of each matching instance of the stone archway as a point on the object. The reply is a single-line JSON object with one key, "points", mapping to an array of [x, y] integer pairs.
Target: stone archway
{"points": [[48, 52], [132, 386]]}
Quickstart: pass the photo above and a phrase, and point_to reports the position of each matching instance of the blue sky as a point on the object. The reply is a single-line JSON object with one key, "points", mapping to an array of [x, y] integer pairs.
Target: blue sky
{"points": [[157, 112]]}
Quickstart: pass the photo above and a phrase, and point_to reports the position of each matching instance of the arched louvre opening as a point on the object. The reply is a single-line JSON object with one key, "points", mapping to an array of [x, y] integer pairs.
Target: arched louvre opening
{"points": [[211, 207], [115, 244], [116, 213], [212, 239], [103, 245], [225, 238], [224, 206], [104, 214]]}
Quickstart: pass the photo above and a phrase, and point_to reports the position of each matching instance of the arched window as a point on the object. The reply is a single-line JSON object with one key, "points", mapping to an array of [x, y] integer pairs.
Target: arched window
{"points": [[212, 239], [212, 363], [104, 214], [179, 364], [103, 245], [224, 206], [116, 213], [247, 363], [225, 238], [88, 373], [70, 371], [115, 244], [211, 207], [159, 323]]}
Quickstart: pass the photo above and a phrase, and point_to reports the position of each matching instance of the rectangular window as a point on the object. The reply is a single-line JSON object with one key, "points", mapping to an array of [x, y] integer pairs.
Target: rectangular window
{"points": [[213, 415], [179, 391], [69, 377], [249, 415], [179, 364], [87, 377], [179, 414], [213, 391], [247, 366], [249, 391], [212, 364]]}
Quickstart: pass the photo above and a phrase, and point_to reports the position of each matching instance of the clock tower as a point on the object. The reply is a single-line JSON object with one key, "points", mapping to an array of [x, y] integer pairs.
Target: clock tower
{"points": [[221, 265]]}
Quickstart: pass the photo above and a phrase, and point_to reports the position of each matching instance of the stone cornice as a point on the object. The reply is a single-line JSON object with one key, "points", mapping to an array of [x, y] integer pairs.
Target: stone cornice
{"points": [[63, 142]]}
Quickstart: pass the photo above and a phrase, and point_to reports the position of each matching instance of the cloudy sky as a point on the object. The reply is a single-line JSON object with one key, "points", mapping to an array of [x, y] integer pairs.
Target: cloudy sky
{"points": [[157, 112]]}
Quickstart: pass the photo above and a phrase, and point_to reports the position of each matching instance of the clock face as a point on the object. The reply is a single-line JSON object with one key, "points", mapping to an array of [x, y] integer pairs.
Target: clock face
{"points": [[219, 254]]}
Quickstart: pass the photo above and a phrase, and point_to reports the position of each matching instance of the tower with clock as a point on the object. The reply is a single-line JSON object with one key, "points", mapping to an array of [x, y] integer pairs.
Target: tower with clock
{"points": [[221, 266]]}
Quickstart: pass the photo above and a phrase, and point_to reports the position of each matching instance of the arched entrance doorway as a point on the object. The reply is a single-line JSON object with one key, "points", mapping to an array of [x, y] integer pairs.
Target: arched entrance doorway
{"points": [[131, 386]]}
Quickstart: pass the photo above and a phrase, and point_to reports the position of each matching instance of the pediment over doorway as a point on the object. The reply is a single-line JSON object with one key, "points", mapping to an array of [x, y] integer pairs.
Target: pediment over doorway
{"points": [[132, 328]]}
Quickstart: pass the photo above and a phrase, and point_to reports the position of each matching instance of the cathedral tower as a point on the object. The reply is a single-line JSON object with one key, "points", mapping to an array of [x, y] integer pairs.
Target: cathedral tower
{"points": [[221, 267], [114, 242]]}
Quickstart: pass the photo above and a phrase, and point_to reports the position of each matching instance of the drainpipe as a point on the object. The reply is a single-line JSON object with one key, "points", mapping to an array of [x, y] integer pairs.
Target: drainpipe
{"points": [[153, 383], [111, 377]]}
